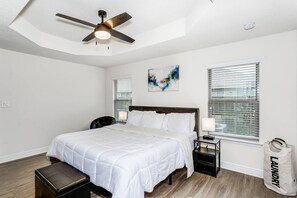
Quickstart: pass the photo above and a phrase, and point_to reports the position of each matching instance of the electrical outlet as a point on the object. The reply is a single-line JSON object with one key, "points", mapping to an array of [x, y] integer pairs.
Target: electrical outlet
{"points": [[5, 104]]}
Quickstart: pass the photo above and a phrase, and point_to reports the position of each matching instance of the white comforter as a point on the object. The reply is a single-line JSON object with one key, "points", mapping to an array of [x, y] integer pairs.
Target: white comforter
{"points": [[124, 160]]}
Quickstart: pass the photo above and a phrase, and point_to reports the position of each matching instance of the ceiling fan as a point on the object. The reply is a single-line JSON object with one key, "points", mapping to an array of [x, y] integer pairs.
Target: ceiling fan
{"points": [[104, 30]]}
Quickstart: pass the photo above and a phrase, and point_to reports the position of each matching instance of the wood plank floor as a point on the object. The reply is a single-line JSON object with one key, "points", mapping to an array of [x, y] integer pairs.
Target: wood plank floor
{"points": [[17, 181]]}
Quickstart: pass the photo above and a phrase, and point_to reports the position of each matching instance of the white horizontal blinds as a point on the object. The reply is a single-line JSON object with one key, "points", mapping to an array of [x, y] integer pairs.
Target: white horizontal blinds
{"points": [[122, 96], [234, 99]]}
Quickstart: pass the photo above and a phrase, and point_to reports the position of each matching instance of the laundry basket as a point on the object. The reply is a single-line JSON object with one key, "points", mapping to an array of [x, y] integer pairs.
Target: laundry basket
{"points": [[279, 173]]}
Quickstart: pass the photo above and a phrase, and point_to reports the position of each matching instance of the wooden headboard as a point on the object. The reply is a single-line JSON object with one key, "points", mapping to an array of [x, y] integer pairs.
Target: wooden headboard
{"points": [[171, 110]]}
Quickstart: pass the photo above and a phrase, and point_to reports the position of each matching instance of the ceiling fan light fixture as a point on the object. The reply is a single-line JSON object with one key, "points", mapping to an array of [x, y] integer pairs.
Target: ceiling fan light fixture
{"points": [[102, 32]]}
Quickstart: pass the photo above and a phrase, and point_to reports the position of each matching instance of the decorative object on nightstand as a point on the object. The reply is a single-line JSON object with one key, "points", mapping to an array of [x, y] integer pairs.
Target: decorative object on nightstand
{"points": [[209, 125], [122, 117], [207, 156]]}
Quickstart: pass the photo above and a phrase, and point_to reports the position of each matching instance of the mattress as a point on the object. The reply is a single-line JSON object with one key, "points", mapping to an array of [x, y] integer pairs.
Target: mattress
{"points": [[125, 160]]}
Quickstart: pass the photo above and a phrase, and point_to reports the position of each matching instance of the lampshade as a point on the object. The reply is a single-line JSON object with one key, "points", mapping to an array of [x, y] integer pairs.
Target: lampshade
{"points": [[102, 32], [122, 115], [208, 124]]}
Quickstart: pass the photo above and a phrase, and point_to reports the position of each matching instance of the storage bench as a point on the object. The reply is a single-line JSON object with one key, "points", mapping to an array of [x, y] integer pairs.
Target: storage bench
{"points": [[61, 180]]}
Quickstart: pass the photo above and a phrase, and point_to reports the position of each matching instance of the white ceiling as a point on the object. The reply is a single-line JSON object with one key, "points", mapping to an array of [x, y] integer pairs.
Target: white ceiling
{"points": [[145, 15], [159, 27]]}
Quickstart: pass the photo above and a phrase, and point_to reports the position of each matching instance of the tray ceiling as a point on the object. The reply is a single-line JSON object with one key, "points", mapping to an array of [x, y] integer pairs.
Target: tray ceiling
{"points": [[159, 27]]}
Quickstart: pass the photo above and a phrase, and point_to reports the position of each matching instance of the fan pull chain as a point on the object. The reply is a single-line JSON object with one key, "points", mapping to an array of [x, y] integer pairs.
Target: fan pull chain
{"points": [[108, 45]]}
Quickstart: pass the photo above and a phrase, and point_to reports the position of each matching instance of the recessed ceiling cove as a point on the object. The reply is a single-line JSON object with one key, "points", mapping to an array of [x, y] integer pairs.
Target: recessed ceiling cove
{"points": [[152, 22], [159, 27]]}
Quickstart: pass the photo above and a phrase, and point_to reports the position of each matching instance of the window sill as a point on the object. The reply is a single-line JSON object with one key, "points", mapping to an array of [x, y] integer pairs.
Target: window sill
{"points": [[230, 139]]}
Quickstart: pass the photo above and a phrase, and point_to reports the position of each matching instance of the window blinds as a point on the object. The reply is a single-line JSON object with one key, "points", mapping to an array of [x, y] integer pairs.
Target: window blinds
{"points": [[234, 100]]}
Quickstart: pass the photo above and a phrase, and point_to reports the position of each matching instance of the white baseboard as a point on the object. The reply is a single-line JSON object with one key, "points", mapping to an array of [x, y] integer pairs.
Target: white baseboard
{"points": [[242, 169], [16, 156]]}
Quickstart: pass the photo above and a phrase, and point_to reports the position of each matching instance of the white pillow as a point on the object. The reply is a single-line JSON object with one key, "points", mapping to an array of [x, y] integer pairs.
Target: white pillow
{"points": [[134, 118], [181, 122], [152, 120], [192, 121], [165, 122]]}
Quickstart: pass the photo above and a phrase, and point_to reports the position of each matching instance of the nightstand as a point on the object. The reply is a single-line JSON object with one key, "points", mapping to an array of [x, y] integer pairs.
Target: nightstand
{"points": [[207, 156]]}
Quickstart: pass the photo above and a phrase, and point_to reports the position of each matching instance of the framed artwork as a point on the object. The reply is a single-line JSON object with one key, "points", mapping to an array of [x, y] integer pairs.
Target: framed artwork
{"points": [[163, 79]]}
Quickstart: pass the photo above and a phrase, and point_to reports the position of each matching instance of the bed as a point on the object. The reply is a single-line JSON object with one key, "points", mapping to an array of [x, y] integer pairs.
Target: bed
{"points": [[127, 160]]}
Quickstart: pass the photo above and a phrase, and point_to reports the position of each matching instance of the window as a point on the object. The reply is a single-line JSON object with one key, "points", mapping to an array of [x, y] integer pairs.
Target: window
{"points": [[234, 100], [122, 96]]}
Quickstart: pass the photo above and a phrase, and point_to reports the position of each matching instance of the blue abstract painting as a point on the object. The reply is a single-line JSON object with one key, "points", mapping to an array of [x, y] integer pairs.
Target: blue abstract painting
{"points": [[163, 79]]}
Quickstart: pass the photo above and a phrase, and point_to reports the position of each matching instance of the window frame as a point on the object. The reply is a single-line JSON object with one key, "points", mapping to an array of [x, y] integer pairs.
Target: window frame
{"points": [[115, 99], [248, 101]]}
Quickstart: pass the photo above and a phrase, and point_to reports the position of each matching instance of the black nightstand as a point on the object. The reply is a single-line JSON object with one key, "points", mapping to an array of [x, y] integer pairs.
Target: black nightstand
{"points": [[207, 156]]}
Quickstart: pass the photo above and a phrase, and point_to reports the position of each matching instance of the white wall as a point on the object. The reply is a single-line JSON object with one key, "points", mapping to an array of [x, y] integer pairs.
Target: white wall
{"points": [[277, 54], [47, 97], [124, 85]]}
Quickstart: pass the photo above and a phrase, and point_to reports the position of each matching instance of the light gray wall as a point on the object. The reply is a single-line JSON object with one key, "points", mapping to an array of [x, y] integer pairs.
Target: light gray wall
{"points": [[277, 56], [47, 97]]}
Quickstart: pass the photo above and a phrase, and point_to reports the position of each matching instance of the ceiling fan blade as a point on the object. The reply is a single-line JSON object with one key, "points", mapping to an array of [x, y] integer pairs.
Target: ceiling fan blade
{"points": [[117, 20], [75, 20], [89, 37], [121, 36]]}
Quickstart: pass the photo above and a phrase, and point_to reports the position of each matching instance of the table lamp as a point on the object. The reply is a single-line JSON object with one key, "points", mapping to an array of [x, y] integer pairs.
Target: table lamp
{"points": [[122, 116], [209, 125]]}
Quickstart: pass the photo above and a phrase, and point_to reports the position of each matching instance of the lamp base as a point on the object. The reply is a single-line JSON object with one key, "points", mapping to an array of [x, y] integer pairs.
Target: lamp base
{"points": [[208, 137]]}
